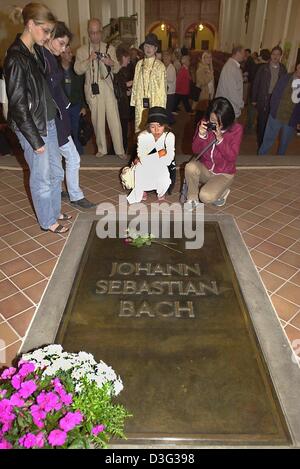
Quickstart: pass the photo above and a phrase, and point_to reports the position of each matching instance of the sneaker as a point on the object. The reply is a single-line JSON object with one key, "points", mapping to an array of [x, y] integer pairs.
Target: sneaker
{"points": [[100, 155], [222, 201], [123, 157], [83, 203], [190, 205]]}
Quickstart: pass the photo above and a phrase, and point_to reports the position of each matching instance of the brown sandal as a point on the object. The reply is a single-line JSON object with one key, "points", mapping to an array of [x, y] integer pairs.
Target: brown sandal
{"points": [[60, 229], [64, 217]]}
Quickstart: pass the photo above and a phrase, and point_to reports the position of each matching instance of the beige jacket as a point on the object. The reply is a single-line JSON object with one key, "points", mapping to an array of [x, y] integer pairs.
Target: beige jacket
{"points": [[83, 65], [204, 76]]}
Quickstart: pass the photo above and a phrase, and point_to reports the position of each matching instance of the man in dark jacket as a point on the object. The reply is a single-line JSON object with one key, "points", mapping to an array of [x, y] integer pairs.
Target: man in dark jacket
{"points": [[284, 114], [264, 83]]}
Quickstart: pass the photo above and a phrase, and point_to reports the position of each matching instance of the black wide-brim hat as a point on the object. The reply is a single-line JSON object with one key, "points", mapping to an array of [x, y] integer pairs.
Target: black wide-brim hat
{"points": [[150, 39], [157, 114]]}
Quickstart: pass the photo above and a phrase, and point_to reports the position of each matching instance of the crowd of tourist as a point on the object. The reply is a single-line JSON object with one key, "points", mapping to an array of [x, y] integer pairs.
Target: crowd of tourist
{"points": [[137, 93]]}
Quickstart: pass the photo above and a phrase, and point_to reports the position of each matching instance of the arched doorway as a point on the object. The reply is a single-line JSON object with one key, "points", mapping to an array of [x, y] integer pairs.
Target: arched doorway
{"points": [[200, 36], [166, 33]]}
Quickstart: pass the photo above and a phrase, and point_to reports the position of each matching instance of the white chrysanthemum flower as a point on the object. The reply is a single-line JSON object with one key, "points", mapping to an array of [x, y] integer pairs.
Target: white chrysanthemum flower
{"points": [[43, 364], [100, 381], [53, 349], [52, 359], [49, 371], [86, 357], [76, 376], [118, 386], [78, 387], [63, 364], [38, 355]]}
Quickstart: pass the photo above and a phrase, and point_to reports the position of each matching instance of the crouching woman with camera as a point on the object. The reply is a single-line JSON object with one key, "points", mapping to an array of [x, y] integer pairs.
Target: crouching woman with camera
{"points": [[216, 168]]}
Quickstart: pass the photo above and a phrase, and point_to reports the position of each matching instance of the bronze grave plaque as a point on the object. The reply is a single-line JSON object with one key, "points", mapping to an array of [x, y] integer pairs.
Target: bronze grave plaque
{"points": [[173, 323]]}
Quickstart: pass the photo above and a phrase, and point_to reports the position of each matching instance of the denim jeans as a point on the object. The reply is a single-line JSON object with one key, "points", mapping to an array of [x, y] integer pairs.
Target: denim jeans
{"points": [[272, 129], [72, 158], [74, 113], [46, 176]]}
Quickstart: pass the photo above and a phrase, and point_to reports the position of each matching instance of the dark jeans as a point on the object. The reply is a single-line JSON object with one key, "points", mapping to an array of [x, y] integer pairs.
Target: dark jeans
{"points": [[170, 108], [272, 130], [74, 113], [262, 119], [185, 99]]}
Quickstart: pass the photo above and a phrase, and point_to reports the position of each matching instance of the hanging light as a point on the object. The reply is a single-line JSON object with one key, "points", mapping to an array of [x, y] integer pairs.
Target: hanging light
{"points": [[200, 27], [163, 26]]}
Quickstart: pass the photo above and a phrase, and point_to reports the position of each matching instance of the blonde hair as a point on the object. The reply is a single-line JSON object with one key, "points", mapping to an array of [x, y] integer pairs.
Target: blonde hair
{"points": [[37, 12], [204, 55]]}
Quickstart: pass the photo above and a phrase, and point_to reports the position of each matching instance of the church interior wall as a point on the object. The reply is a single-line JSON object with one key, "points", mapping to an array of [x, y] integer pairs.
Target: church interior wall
{"points": [[270, 22]]}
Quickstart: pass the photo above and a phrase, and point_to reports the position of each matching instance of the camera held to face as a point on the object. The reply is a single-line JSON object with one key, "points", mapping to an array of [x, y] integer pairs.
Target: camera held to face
{"points": [[101, 55], [211, 126]]}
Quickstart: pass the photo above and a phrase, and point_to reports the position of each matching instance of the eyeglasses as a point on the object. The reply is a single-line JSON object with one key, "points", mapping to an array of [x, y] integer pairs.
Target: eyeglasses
{"points": [[47, 31]]}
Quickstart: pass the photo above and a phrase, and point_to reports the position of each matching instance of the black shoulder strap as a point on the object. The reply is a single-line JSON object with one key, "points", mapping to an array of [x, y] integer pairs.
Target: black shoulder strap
{"points": [[166, 139], [207, 147]]}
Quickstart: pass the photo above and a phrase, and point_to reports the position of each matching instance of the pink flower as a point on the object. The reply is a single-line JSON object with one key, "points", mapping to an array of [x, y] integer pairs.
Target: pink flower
{"points": [[57, 383], [39, 442], [2, 393], [6, 415], [6, 427], [8, 373], [27, 388], [16, 381], [5, 444], [49, 401], [98, 429], [66, 399], [28, 441], [57, 438], [26, 369], [16, 401], [70, 421], [38, 416]]}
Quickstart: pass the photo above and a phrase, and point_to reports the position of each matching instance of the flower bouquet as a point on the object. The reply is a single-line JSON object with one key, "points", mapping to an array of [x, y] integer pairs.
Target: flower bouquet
{"points": [[54, 399]]}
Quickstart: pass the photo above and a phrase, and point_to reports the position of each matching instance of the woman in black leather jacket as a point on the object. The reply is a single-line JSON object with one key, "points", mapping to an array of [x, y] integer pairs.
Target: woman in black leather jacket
{"points": [[31, 114]]}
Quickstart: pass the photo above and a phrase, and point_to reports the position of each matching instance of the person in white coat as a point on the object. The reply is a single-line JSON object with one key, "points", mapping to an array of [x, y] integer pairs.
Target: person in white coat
{"points": [[156, 151]]}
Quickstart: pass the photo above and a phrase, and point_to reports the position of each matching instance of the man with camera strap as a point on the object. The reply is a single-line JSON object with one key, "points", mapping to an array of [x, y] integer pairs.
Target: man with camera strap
{"points": [[97, 61]]}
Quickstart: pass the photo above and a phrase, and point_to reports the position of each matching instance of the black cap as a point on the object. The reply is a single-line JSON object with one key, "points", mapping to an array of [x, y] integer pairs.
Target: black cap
{"points": [[157, 114], [150, 39]]}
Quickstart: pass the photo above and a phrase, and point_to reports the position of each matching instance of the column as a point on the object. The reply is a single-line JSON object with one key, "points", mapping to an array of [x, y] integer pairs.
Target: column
{"points": [[84, 16], [139, 8], [117, 8], [128, 8], [259, 22]]}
